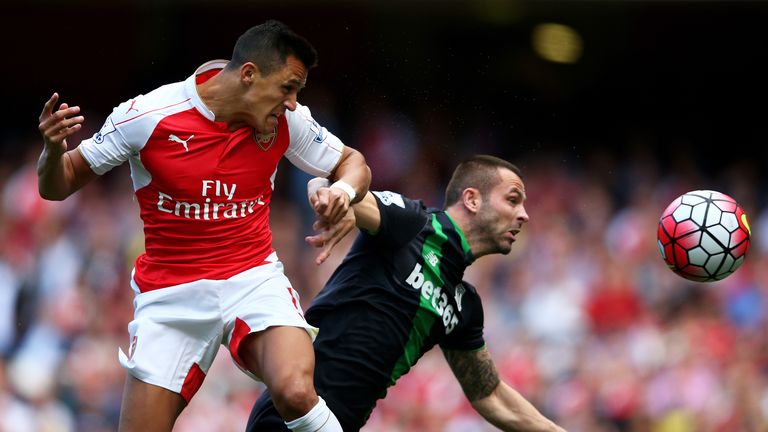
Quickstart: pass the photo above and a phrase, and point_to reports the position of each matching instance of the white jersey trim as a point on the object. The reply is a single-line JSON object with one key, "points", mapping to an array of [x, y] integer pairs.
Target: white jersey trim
{"points": [[312, 148], [191, 87]]}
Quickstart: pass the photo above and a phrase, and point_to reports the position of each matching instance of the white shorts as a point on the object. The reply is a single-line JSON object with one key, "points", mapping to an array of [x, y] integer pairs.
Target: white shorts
{"points": [[176, 331]]}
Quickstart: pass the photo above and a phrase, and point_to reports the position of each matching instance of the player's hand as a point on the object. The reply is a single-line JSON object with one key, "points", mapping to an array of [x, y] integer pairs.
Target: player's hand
{"points": [[56, 126], [330, 204], [330, 234]]}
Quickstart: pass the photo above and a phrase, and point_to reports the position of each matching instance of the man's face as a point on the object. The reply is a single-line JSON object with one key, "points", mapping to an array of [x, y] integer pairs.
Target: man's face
{"points": [[502, 214], [270, 96]]}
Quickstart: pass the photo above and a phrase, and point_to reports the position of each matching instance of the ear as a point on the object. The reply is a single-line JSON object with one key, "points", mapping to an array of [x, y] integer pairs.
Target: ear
{"points": [[471, 199], [248, 72]]}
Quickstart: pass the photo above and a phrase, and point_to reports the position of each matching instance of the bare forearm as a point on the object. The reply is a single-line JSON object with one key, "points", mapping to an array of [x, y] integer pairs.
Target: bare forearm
{"points": [[367, 215], [496, 401], [51, 175], [354, 171], [508, 410], [61, 175]]}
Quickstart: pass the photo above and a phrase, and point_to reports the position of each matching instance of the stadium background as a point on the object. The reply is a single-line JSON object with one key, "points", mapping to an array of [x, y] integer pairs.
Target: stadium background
{"points": [[583, 317]]}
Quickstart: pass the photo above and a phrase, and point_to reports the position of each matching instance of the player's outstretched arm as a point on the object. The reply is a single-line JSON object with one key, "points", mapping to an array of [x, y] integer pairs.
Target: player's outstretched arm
{"points": [[493, 399], [60, 172]]}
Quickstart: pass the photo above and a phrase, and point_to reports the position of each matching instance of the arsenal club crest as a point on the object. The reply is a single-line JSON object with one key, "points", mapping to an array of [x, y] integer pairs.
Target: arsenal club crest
{"points": [[265, 140]]}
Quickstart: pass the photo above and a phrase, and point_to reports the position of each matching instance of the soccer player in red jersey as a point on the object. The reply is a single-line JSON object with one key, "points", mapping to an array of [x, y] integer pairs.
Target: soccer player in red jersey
{"points": [[203, 155]]}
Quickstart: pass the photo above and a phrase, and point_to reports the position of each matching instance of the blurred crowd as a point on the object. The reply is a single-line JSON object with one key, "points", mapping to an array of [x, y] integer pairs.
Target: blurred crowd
{"points": [[583, 317]]}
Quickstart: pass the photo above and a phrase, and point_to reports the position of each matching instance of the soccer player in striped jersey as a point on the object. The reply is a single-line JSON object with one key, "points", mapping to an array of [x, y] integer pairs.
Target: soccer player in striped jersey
{"points": [[400, 291]]}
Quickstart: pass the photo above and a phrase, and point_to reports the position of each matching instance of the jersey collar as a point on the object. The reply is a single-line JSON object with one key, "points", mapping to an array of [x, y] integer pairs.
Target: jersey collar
{"points": [[205, 71], [470, 257]]}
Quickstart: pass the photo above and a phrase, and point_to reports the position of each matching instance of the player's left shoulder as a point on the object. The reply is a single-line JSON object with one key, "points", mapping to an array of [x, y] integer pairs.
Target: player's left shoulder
{"points": [[401, 204], [300, 118], [301, 124], [388, 198]]}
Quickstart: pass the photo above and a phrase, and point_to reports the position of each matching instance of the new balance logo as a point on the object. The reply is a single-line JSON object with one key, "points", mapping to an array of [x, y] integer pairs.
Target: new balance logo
{"points": [[432, 258], [183, 142]]}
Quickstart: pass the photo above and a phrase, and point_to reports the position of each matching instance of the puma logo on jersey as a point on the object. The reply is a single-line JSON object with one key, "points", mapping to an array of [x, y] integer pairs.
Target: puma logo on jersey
{"points": [[131, 108], [132, 348], [183, 142]]}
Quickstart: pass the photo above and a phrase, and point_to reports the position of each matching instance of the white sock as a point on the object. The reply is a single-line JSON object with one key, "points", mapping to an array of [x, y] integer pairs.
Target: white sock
{"points": [[318, 419]]}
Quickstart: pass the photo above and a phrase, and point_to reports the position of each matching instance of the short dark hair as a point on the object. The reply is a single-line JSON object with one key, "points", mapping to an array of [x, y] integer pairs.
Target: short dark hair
{"points": [[480, 172], [268, 45]]}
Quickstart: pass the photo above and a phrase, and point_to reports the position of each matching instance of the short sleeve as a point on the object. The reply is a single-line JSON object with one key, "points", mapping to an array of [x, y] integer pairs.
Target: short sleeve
{"points": [[469, 335], [106, 149], [312, 148], [401, 218], [122, 136]]}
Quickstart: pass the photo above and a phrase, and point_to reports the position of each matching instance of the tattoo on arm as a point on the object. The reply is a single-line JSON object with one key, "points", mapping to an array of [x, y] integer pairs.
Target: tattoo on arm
{"points": [[475, 371]]}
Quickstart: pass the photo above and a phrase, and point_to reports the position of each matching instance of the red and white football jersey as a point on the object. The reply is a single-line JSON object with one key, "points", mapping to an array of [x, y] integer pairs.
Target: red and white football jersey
{"points": [[203, 191]]}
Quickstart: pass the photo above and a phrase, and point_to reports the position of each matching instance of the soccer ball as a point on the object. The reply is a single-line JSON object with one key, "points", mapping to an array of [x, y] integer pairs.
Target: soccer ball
{"points": [[703, 235]]}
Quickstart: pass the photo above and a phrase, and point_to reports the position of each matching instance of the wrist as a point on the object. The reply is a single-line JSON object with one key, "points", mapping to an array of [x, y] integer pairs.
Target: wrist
{"points": [[314, 184], [341, 184]]}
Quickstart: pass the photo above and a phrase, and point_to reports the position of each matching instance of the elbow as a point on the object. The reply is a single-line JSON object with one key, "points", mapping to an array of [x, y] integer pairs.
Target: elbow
{"points": [[366, 184], [364, 163], [486, 407], [50, 195], [368, 177], [355, 168]]}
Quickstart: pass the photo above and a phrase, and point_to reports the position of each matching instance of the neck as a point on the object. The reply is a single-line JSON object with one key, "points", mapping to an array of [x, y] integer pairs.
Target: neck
{"points": [[476, 237], [216, 93], [461, 218]]}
